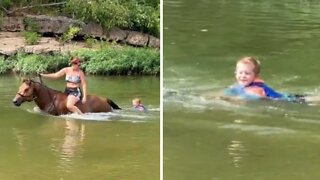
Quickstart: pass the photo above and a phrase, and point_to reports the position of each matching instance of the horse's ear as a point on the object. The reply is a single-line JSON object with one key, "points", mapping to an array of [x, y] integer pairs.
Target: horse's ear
{"points": [[26, 80], [23, 79]]}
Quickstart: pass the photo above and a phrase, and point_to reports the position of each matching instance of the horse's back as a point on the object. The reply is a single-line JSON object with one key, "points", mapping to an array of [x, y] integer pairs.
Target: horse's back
{"points": [[94, 104]]}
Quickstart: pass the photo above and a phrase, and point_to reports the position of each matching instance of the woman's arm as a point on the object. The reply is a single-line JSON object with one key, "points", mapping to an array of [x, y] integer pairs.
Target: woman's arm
{"points": [[58, 74], [84, 86]]}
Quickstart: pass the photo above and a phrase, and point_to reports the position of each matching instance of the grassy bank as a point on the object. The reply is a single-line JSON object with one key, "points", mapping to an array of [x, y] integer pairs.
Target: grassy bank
{"points": [[106, 61]]}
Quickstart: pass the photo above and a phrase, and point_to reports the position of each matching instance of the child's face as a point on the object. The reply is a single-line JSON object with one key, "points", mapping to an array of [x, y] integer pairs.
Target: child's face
{"points": [[135, 103], [245, 74]]}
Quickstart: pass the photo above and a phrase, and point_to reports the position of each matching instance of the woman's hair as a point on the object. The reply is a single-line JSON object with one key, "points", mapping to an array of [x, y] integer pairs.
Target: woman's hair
{"points": [[253, 61], [75, 60]]}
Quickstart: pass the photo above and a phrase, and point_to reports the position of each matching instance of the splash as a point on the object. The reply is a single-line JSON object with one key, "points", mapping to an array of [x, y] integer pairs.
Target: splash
{"points": [[126, 115]]}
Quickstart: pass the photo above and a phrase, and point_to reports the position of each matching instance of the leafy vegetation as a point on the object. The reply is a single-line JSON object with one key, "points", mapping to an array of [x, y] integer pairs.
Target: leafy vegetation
{"points": [[30, 35], [108, 13], [31, 38], [69, 35], [144, 18], [28, 64], [5, 65], [140, 15], [126, 61], [106, 61], [90, 41]]}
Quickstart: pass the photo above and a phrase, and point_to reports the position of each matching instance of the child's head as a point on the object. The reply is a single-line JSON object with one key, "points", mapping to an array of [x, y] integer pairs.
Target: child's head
{"points": [[136, 101], [247, 69]]}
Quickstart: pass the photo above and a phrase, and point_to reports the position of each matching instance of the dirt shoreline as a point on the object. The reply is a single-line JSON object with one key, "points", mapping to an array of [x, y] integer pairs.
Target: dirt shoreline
{"points": [[12, 42]]}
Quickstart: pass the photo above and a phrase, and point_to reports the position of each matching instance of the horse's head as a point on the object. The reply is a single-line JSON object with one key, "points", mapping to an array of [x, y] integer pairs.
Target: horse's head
{"points": [[25, 93]]}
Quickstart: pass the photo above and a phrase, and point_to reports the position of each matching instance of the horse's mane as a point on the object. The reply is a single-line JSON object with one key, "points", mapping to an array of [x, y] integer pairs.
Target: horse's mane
{"points": [[41, 84]]}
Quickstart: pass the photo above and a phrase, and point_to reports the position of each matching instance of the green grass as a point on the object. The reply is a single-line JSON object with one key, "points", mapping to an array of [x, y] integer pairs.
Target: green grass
{"points": [[5, 65]]}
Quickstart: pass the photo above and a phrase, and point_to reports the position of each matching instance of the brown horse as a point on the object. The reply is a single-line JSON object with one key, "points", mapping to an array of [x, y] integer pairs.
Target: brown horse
{"points": [[54, 102]]}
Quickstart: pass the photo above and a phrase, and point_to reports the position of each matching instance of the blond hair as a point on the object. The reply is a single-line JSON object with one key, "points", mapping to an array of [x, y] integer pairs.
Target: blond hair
{"points": [[251, 60], [137, 100]]}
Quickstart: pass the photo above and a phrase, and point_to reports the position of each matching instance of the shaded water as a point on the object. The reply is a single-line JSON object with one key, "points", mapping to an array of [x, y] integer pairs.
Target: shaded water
{"points": [[118, 145], [210, 138]]}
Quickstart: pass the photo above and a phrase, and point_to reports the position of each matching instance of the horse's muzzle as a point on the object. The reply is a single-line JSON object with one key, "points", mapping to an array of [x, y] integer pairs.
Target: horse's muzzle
{"points": [[16, 102]]}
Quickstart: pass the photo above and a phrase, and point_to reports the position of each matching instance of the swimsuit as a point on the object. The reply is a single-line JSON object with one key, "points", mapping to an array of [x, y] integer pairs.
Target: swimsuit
{"points": [[258, 89], [73, 91], [73, 79]]}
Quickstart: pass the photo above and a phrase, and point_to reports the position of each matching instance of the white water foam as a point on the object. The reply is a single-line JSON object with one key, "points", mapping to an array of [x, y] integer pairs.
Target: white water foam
{"points": [[119, 115], [200, 100]]}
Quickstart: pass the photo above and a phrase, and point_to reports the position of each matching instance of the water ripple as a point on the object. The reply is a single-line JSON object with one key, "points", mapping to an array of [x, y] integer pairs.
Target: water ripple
{"points": [[260, 130], [237, 150]]}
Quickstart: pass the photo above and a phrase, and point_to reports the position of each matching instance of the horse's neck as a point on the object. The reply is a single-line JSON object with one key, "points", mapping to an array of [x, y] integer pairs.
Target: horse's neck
{"points": [[44, 96]]}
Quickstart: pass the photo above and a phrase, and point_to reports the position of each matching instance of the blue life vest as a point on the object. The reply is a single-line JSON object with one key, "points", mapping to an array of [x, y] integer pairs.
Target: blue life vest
{"points": [[270, 93], [239, 90]]}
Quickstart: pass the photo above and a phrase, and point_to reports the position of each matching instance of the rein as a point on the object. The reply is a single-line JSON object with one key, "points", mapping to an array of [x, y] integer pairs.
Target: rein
{"points": [[54, 106]]}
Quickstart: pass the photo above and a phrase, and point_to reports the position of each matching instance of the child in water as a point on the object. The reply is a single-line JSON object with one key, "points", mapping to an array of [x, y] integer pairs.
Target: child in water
{"points": [[136, 103], [250, 86]]}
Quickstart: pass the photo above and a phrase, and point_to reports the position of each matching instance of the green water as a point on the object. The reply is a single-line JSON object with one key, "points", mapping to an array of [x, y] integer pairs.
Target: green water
{"points": [[218, 139], [119, 145]]}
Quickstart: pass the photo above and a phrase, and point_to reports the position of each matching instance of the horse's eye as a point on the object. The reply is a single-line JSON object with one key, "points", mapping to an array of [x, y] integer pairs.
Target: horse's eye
{"points": [[27, 89]]}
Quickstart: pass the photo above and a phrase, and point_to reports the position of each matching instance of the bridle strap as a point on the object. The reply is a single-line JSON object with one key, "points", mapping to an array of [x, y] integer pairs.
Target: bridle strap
{"points": [[33, 96]]}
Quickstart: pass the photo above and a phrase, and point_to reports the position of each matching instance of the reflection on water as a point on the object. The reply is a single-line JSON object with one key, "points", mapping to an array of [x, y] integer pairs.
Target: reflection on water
{"points": [[68, 148], [18, 134], [236, 150], [71, 145]]}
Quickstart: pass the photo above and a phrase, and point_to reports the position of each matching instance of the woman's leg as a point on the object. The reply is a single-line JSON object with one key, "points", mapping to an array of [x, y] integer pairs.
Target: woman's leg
{"points": [[71, 101]]}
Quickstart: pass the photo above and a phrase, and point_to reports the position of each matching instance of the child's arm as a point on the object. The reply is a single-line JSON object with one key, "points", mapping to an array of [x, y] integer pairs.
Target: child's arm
{"points": [[233, 90]]}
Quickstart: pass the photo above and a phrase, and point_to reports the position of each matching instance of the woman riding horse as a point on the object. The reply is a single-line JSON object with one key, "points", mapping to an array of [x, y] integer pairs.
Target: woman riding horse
{"points": [[74, 78], [55, 102]]}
